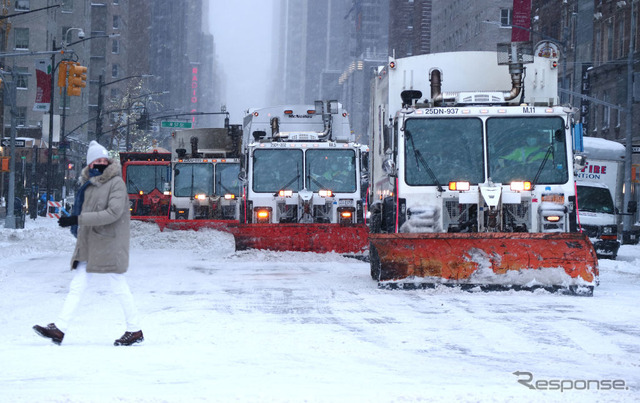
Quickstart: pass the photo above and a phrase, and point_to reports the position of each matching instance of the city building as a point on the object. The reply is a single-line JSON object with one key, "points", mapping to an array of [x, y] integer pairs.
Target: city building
{"points": [[143, 58]]}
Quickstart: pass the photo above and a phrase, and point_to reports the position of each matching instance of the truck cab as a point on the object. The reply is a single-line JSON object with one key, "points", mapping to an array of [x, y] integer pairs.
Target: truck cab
{"points": [[301, 166], [600, 194], [148, 179], [598, 218], [205, 182]]}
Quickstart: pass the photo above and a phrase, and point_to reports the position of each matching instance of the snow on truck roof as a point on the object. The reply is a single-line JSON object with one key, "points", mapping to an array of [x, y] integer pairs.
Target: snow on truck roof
{"points": [[599, 148]]}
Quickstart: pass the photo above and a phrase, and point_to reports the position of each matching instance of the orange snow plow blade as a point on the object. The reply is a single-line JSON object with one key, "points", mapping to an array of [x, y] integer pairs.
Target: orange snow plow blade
{"points": [[303, 237], [320, 238], [558, 262]]}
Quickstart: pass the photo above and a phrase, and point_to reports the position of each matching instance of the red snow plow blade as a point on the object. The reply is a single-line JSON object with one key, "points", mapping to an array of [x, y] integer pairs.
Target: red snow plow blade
{"points": [[303, 237], [320, 238], [558, 262]]}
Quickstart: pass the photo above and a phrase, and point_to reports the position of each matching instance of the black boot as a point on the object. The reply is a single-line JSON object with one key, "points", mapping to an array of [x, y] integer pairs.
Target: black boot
{"points": [[50, 332], [129, 338]]}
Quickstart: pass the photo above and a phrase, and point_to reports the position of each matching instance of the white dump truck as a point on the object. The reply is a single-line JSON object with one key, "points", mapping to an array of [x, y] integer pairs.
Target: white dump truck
{"points": [[600, 197]]}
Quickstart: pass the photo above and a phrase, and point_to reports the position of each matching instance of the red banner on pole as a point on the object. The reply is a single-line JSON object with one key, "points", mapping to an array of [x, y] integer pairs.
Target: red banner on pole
{"points": [[43, 91], [521, 25]]}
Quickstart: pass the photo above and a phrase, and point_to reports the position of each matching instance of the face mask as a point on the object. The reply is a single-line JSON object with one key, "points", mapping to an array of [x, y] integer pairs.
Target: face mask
{"points": [[100, 167]]}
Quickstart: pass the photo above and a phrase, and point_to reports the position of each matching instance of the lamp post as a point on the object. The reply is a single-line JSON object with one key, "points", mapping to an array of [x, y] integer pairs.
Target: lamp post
{"points": [[64, 145], [102, 84], [10, 219]]}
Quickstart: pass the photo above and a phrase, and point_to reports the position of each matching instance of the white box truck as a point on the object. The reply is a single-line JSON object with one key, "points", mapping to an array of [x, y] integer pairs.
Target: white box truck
{"points": [[600, 198]]}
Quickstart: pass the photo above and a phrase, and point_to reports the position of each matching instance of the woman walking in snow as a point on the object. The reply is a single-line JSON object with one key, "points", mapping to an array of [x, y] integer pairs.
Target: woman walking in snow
{"points": [[100, 221]]}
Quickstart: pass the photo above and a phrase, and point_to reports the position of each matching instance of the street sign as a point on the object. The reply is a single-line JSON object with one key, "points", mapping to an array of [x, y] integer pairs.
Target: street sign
{"points": [[635, 149], [18, 143], [180, 125]]}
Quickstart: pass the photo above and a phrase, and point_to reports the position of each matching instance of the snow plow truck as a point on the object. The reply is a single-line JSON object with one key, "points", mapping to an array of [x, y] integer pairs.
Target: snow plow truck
{"points": [[472, 177], [303, 178], [205, 174], [148, 179]]}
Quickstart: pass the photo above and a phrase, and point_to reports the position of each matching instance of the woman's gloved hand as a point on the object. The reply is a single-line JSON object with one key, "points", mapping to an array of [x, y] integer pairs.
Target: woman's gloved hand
{"points": [[68, 221]]}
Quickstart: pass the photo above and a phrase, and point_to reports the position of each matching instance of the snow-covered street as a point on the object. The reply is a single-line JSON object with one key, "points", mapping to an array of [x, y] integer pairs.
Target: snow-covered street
{"points": [[261, 326]]}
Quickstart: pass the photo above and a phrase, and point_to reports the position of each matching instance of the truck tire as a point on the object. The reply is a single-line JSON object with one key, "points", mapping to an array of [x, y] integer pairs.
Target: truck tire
{"points": [[374, 262]]}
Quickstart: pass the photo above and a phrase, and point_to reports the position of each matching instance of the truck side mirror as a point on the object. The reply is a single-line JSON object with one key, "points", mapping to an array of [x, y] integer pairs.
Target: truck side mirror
{"points": [[579, 162], [242, 176], [632, 207], [389, 167]]}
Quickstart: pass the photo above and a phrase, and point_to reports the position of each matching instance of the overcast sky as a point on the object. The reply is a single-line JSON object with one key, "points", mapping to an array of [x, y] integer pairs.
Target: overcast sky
{"points": [[242, 35]]}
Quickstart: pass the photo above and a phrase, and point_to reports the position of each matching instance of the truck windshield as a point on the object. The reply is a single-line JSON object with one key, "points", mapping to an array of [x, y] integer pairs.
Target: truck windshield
{"points": [[595, 200], [191, 179], [442, 150], [227, 179], [519, 147], [147, 178], [333, 170], [275, 170]]}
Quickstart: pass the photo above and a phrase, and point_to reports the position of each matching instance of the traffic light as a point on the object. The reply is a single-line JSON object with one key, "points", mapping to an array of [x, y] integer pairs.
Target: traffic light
{"points": [[143, 122], [77, 79], [70, 166], [62, 74]]}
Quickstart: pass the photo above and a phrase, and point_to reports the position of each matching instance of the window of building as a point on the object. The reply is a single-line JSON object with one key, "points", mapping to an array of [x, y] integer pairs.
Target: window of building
{"points": [[115, 46], [609, 42], [606, 112], [598, 46], [115, 71], [22, 38], [22, 81], [115, 93], [22, 5], [21, 115], [116, 2], [621, 47], [64, 31], [505, 17], [116, 22], [65, 101], [67, 5]]}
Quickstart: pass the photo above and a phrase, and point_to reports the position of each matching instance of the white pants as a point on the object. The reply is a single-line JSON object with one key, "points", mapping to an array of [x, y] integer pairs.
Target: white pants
{"points": [[78, 286]]}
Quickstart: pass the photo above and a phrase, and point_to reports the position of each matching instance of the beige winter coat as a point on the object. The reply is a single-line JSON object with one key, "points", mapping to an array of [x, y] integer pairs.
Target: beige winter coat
{"points": [[103, 224]]}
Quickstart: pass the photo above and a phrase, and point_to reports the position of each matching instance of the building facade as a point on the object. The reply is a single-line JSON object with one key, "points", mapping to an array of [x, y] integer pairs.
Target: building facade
{"points": [[151, 57]]}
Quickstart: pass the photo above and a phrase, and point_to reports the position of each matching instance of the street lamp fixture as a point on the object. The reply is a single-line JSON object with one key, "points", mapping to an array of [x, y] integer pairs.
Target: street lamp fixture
{"points": [[65, 40]]}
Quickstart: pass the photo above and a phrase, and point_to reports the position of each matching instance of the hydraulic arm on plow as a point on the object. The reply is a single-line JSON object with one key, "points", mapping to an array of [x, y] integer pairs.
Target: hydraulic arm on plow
{"points": [[475, 188]]}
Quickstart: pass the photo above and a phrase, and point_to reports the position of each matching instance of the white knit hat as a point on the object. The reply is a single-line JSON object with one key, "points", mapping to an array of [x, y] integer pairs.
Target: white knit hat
{"points": [[96, 151]]}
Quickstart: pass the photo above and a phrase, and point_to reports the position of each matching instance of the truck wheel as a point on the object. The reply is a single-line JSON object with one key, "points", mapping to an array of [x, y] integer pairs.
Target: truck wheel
{"points": [[374, 262], [375, 220]]}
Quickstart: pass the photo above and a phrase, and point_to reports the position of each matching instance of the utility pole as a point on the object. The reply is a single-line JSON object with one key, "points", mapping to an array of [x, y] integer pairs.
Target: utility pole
{"points": [[10, 97], [50, 148]]}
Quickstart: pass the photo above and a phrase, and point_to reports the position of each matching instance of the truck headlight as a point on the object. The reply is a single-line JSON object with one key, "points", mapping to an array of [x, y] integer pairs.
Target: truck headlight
{"points": [[263, 215], [461, 186], [520, 186], [608, 230], [346, 215]]}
